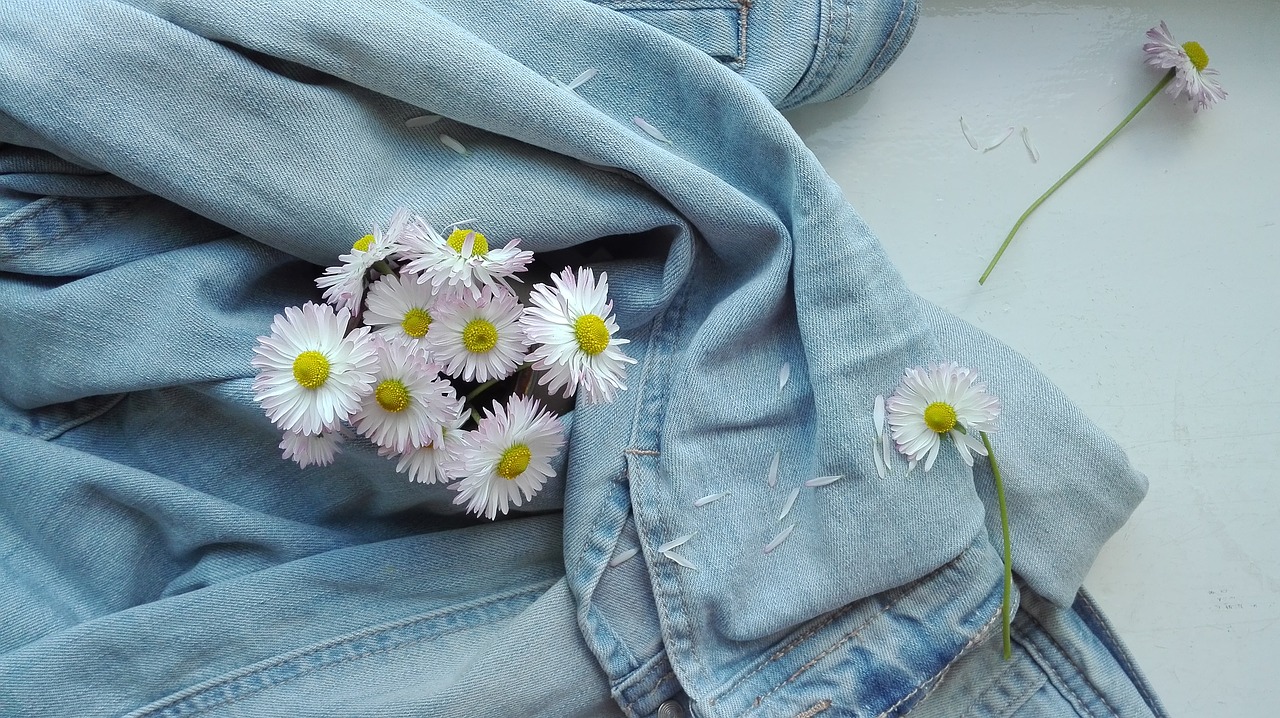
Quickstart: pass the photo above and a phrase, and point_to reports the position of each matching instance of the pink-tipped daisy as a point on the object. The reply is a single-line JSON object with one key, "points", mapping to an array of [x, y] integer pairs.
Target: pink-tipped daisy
{"points": [[462, 263], [410, 403], [575, 328], [311, 375], [399, 309], [478, 339], [318, 450], [943, 400], [431, 463], [343, 284], [1190, 64], [507, 459]]}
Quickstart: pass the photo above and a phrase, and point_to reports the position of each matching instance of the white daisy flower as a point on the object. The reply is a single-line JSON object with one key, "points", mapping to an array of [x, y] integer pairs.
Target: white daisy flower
{"points": [[311, 376], [946, 399], [463, 263], [507, 459], [1190, 64], [318, 450], [410, 402], [575, 328], [399, 309], [343, 285], [431, 463], [478, 340]]}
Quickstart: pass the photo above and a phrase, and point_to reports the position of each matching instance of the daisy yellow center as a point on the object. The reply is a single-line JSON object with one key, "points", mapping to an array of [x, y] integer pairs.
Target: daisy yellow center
{"points": [[591, 333], [1196, 54], [416, 322], [479, 336], [392, 395], [311, 369], [458, 238], [513, 462], [363, 243], [940, 416]]}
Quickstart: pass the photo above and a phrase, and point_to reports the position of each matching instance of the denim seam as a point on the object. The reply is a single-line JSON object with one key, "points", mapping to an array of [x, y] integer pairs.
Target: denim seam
{"points": [[1009, 707], [744, 10], [823, 69], [1055, 678], [630, 705], [855, 632], [1083, 676], [90, 218], [70, 424], [1130, 669], [813, 710], [888, 42], [185, 697], [795, 642], [937, 678]]}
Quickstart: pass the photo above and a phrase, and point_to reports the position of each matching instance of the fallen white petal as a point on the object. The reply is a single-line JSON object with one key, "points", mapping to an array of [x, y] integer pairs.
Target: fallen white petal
{"points": [[823, 480], [623, 557], [777, 540], [888, 453], [881, 469], [877, 415], [650, 130], [422, 120], [675, 542], [708, 499], [791, 500], [784, 375], [673, 556], [453, 144], [578, 81], [999, 141], [772, 478], [911, 466], [964, 127], [1026, 140]]}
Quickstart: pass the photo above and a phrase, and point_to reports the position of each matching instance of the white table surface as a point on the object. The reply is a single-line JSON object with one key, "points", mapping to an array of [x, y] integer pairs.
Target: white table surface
{"points": [[1148, 287]]}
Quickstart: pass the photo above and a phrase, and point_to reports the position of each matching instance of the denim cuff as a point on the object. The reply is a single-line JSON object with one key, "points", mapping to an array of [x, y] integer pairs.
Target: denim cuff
{"points": [[857, 41]]}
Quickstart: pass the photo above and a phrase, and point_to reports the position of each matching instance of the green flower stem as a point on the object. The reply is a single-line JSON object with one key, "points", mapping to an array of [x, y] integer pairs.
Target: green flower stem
{"points": [[1008, 546], [480, 390], [1150, 95], [382, 267]]}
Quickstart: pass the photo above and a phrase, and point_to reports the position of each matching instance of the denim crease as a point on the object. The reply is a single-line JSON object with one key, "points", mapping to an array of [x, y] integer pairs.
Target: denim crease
{"points": [[173, 174]]}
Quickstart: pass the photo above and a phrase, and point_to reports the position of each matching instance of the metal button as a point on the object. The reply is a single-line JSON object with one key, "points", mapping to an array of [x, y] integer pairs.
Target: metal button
{"points": [[670, 709]]}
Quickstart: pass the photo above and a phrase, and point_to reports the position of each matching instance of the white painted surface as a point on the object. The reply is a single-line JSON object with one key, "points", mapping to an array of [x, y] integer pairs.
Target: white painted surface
{"points": [[1148, 287]]}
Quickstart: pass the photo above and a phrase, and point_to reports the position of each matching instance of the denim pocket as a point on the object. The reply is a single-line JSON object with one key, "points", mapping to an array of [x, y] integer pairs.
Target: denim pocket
{"points": [[716, 27]]}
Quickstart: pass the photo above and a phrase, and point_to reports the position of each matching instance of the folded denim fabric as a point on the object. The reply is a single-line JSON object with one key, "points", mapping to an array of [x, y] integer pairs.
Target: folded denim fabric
{"points": [[173, 172]]}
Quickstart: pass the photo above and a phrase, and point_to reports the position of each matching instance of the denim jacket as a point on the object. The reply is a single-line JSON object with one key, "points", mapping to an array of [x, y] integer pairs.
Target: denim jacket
{"points": [[174, 173]]}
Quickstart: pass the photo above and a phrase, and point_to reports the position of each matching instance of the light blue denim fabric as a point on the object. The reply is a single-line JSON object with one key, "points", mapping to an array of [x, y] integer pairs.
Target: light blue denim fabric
{"points": [[173, 172]]}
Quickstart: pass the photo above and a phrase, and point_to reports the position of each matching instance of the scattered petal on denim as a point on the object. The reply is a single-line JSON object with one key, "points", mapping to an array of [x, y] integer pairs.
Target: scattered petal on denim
{"points": [[784, 375], [968, 134], [581, 79], [673, 556], [998, 141], [772, 477], [877, 415], [777, 540], [453, 144], [1026, 141], [675, 542], [823, 480], [623, 557], [1190, 64], [422, 121], [650, 130], [709, 499], [882, 468], [886, 453], [786, 505]]}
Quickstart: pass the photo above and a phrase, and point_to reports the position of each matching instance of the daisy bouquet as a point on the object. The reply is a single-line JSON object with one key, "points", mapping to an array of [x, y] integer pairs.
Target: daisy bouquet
{"points": [[417, 332]]}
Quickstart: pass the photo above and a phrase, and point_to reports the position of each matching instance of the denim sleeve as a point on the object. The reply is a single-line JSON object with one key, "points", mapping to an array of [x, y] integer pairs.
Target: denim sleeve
{"points": [[266, 136]]}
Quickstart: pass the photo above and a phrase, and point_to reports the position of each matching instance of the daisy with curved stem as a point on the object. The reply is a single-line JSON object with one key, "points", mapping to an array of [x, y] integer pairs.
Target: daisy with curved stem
{"points": [[410, 402], [399, 309], [317, 450], [478, 340], [311, 373], [507, 459], [343, 284], [948, 400], [431, 463], [575, 329], [462, 263], [1188, 71]]}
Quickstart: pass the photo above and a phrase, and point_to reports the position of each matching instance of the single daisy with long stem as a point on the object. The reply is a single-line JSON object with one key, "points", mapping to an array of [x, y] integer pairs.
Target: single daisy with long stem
{"points": [[1188, 71]]}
